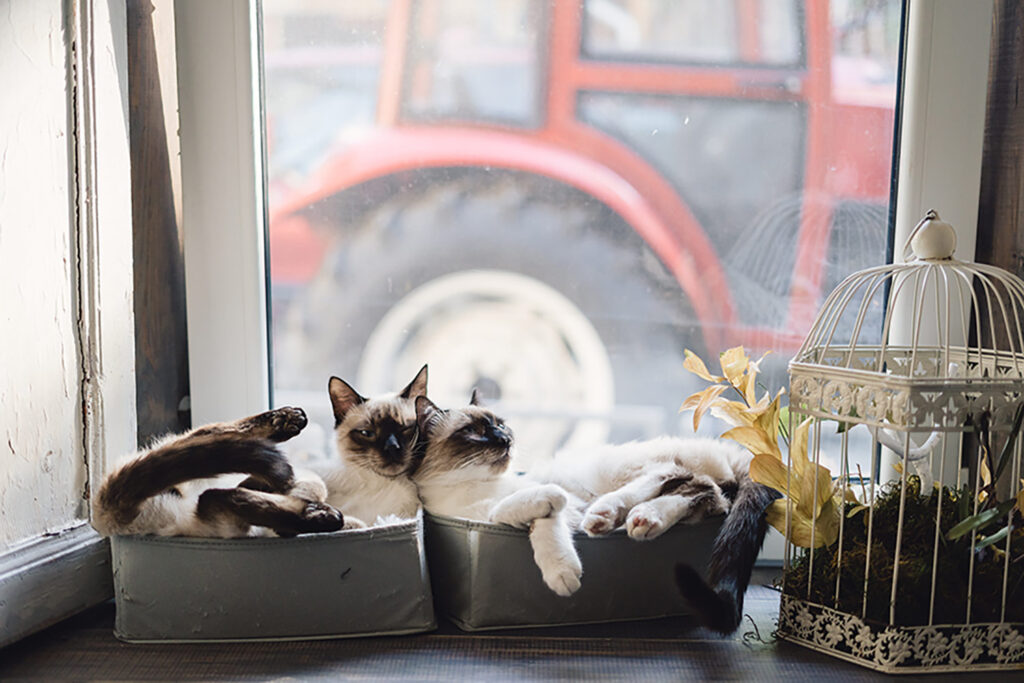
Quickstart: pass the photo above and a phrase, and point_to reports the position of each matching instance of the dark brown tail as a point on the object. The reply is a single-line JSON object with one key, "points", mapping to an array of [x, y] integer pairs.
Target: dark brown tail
{"points": [[718, 601], [191, 457]]}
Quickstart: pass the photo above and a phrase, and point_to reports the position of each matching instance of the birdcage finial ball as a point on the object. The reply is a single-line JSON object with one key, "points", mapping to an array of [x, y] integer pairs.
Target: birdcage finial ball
{"points": [[933, 238]]}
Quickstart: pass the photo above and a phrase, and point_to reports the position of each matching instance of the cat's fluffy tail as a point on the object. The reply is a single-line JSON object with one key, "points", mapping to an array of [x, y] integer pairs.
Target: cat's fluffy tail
{"points": [[718, 601], [124, 491]]}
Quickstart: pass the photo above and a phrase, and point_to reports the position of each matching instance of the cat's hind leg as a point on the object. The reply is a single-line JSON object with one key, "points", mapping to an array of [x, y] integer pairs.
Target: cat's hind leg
{"points": [[276, 425], [691, 500], [285, 515], [609, 511]]}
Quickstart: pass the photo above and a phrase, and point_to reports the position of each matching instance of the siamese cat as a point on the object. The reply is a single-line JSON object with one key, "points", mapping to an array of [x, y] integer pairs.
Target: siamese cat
{"points": [[194, 484], [376, 448], [648, 486]]}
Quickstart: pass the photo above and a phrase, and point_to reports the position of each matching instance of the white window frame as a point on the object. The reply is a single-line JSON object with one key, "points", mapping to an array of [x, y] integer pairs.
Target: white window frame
{"points": [[940, 149], [223, 210]]}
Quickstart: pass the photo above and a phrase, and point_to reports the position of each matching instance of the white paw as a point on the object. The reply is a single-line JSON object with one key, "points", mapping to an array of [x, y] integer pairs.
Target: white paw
{"points": [[522, 507], [511, 515], [563, 578], [644, 523], [600, 519]]}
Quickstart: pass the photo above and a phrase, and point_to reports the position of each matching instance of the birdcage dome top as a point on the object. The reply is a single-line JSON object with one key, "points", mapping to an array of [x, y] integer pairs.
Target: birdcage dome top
{"points": [[925, 342]]}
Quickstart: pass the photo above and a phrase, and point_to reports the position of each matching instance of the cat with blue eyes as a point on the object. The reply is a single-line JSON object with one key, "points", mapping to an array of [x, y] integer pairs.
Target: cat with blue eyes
{"points": [[231, 479], [376, 453], [644, 486]]}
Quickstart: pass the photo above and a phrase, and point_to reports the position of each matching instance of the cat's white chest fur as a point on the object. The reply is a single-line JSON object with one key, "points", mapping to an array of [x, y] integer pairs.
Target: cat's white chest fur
{"points": [[366, 495]]}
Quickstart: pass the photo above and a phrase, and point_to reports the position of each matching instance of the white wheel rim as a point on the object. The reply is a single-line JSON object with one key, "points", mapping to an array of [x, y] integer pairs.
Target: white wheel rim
{"points": [[549, 362]]}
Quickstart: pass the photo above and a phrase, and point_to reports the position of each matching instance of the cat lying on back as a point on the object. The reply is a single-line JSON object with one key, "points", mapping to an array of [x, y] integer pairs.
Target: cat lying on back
{"points": [[648, 486], [376, 448], [192, 484]]}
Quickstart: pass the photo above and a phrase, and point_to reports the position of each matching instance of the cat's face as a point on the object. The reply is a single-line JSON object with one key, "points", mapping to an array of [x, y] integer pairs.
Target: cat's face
{"points": [[379, 434], [469, 438]]}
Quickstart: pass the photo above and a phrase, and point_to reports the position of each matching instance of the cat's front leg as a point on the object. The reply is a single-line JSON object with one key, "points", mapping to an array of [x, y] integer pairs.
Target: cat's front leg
{"points": [[555, 554], [285, 515], [523, 507]]}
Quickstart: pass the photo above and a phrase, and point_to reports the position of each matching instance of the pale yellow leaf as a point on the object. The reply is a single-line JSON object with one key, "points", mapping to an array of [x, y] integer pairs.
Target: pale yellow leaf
{"points": [[734, 364], [806, 502], [758, 408], [750, 384], [692, 401], [798, 448], [826, 527], [769, 470], [754, 440], [825, 530], [768, 420], [776, 515], [735, 413], [711, 394], [856, 510], [800, 527], [986, 474], [826, 487], [694, 364]]}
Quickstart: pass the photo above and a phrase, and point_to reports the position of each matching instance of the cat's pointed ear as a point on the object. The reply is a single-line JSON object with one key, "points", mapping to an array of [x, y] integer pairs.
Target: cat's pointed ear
{"points": [[418, 385], [343, 398], [427, 415], [474, 398]]}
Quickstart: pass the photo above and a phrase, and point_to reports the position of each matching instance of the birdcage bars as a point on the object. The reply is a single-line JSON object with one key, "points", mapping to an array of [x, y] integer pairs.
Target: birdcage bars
{"points": [[922, 376]]}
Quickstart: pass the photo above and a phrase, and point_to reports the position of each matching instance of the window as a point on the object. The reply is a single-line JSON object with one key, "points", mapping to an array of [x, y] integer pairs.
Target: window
{"points": [[551, 201], [358, 248]]}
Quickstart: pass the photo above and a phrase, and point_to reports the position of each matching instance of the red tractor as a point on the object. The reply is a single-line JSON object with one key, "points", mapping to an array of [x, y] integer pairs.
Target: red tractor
{"points": [[551, 199]]}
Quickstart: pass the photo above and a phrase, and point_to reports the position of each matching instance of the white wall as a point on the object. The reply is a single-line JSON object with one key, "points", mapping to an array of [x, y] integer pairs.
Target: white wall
{"points": [[42, 462]]}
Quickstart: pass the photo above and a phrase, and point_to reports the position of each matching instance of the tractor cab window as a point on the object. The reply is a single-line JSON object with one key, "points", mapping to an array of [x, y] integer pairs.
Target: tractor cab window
{"points": [[474, 61], [765, 32]]}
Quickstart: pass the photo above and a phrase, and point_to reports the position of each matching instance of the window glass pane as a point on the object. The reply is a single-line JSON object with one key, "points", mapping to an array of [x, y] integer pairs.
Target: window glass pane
{"points": [[474, 61], [695, 31], [322, 68], [638, 207]]}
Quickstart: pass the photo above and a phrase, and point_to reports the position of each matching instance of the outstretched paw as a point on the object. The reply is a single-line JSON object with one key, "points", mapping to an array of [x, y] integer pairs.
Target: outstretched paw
{"points": [[319, 518], [284, 423], [600, 519], [645, 523], [522, 507]]}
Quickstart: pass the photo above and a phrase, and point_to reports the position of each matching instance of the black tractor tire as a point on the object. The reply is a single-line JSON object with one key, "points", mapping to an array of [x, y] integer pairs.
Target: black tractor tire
{"points": [[508, 222]]}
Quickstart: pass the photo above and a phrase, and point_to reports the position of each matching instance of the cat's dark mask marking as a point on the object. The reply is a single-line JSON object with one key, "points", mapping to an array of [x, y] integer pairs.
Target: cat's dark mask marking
{"points": [[344, 397], [456, 438], [379, 434]]}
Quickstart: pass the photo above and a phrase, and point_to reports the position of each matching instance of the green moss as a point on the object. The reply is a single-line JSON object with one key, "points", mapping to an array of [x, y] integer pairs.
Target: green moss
{"points": [[917, 558]]}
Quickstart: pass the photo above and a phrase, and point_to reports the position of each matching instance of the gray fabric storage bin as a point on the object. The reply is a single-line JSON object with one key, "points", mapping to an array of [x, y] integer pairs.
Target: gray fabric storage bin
{"points": [[484, 575], [347, 583]]}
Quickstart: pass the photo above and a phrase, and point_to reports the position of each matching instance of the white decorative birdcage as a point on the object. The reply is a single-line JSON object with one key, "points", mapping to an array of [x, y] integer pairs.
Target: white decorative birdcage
{"points": [[908, 390]]}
